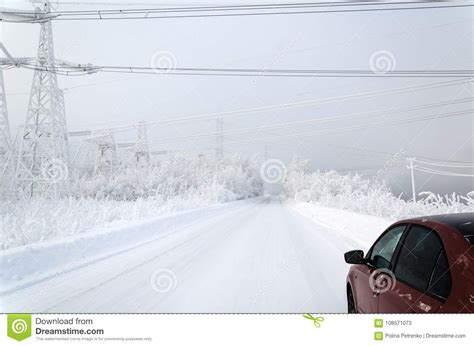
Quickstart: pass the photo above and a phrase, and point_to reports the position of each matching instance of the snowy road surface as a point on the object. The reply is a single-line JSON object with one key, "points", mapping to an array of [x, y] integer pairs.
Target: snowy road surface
{"points": [[264, 256]]}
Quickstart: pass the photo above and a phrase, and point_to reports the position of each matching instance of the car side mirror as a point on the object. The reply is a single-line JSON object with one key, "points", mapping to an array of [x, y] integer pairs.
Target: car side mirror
{"points": [[354, 257]]}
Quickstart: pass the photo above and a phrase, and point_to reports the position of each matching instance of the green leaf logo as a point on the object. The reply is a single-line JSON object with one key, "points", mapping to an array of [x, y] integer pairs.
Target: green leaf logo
{"points": [[19, 326]]}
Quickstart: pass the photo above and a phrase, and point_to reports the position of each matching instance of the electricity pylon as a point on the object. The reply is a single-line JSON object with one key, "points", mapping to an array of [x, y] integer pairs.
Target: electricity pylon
{"points": [[142, 153], [5, 138], [42, 163], [106, 158]]}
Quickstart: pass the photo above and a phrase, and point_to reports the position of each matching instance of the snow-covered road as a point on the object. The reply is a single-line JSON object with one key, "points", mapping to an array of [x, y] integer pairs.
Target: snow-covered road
{"points": [[264, 256]]}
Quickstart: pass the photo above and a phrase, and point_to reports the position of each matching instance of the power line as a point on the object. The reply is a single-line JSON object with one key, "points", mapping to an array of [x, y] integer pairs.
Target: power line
{"points": [[284, 72], [313, 102], [444, 164], [435, 171], [412, 157], [148, 16], [119, 3], [448, 74], [102, 14], [248, 72], [85, 85], [311, 121], [440, 172], [288, 5], [235, 7], [344, 129]]}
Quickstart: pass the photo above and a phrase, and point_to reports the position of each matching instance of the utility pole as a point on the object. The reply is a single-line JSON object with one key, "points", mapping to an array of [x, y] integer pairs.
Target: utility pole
{"points": [[412, 171], [219, 138]]}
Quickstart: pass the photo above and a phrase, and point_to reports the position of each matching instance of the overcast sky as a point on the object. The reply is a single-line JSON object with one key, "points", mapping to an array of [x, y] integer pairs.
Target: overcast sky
{"points": [[427, 39]]}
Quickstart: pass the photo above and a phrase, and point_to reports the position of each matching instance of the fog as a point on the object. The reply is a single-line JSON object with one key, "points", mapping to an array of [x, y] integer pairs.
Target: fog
{"points": [[428, 39]]}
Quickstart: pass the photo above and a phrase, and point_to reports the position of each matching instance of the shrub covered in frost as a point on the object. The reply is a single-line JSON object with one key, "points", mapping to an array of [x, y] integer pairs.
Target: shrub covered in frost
{"points": [[368, 196], [221, 180], [128, 194]]}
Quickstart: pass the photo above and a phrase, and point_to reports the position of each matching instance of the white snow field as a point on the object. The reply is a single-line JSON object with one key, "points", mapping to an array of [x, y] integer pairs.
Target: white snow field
{"points": [[257, 255]]}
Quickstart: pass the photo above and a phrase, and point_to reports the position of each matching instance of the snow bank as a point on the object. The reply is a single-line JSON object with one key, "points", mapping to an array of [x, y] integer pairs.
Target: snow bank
{"points": [[366, 196], [361, 229], [23, 265]]}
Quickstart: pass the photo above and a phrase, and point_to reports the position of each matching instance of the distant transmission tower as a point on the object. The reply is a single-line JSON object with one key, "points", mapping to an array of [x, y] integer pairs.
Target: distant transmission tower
{"points": [[42, 165], [142, 153], [219, 138], [106, 158]]}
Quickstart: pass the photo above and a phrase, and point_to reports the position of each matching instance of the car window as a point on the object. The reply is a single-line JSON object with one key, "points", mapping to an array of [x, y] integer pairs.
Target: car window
{"points": [[382, 251], [440, 283], [419, 254]]}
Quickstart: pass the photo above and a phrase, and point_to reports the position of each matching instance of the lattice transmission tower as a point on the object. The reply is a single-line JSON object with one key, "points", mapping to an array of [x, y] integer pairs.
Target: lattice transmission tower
{"points": [[5, 138], [106, 158], [142, 153], [42, 162]]}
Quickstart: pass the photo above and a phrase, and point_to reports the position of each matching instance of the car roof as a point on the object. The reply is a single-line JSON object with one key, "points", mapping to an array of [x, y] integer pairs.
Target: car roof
{"points": [[463, 222]]}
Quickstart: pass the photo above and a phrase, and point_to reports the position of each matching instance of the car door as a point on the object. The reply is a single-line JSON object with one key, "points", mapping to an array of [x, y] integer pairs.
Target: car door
{"points": [[422, 274], [379, 259]]}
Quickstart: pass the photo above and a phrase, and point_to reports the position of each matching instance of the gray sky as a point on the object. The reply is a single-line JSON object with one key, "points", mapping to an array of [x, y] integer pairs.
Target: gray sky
{"points": [[428, 39]]}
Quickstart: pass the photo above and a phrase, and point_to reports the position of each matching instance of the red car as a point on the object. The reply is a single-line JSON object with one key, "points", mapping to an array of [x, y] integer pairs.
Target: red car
{"points": [[423, 264]]}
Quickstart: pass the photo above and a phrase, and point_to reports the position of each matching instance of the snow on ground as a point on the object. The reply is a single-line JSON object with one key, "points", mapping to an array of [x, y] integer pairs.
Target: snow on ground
{"points": [[30, 263], [39, 220], [259, 255], [362, 230]]}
